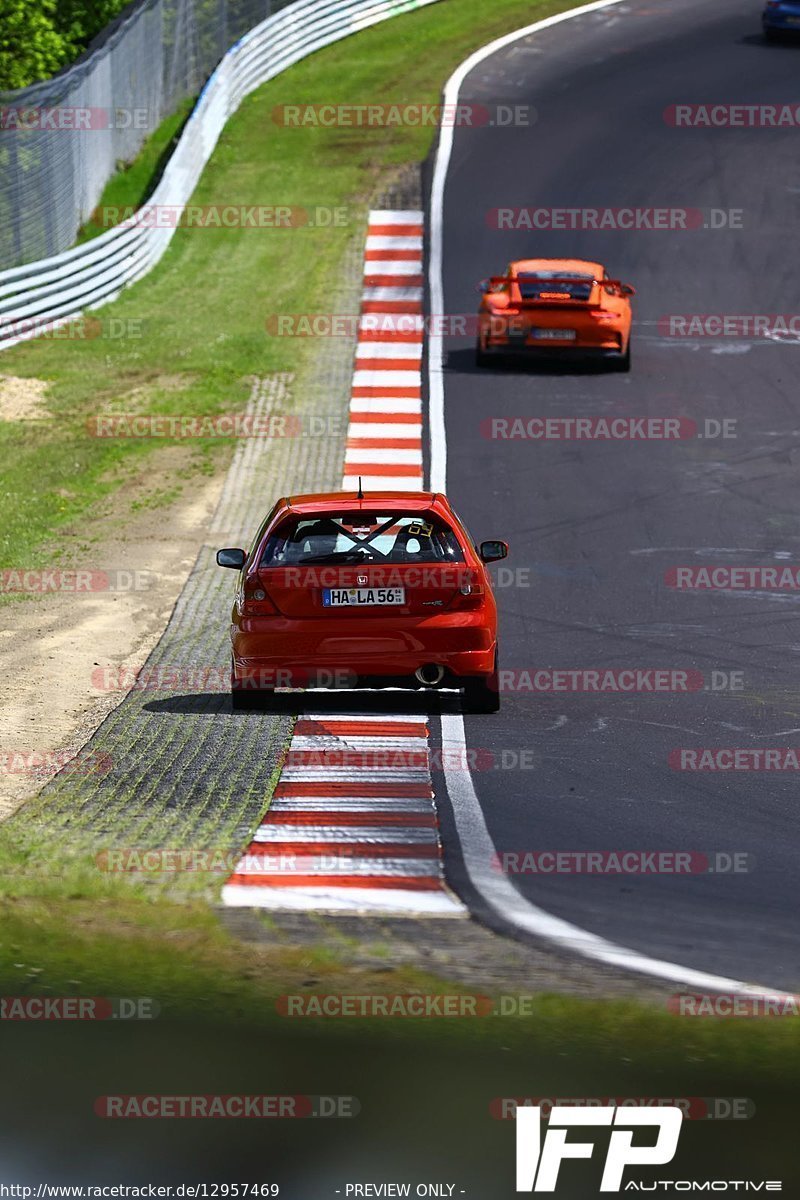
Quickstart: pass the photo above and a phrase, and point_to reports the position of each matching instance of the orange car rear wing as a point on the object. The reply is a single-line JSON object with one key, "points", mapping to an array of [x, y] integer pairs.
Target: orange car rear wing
{"points": [[557, 288]]}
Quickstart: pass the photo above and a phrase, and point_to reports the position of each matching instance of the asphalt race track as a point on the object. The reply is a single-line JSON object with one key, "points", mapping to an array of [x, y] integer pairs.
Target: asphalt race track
{"points": [[597, 524]]}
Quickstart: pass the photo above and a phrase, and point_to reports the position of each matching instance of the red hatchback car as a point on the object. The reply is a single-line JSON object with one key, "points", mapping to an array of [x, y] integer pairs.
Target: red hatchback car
{"points": [[388, 587]]}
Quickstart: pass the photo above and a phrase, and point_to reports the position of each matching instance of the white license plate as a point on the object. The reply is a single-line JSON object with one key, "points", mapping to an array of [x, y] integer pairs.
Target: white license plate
{"points": [[555, 335], [349, 597]]}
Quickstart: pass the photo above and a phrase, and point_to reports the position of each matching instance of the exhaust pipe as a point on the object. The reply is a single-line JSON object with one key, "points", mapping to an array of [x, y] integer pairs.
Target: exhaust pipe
{"points": [[431, 675]]}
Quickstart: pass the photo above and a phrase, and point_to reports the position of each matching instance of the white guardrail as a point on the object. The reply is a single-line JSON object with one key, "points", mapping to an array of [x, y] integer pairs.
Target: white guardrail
{"points": [[47, 293]]}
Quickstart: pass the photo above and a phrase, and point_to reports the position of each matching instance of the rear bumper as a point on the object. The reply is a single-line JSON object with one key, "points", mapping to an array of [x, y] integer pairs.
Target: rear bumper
{"points": [[553, 350], [780, 23], [462, 645]]}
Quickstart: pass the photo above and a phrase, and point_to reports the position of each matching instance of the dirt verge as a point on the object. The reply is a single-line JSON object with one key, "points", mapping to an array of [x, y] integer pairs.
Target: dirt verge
{"points": [[137, 561]]}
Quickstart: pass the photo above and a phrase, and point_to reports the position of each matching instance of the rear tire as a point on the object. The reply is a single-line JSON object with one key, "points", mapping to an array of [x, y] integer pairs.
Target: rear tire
{"points": [[482, 359], [246, 699], [623, 363], [482, 693]]}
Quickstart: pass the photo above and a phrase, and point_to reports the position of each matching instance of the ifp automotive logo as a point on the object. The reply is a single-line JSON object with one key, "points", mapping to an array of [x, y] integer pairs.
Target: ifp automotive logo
{"points": [[539, 1160]]}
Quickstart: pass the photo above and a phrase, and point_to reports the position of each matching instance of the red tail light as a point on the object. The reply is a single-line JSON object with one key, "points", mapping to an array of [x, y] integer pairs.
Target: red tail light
{"points": [[469, 595], [255, 602]]}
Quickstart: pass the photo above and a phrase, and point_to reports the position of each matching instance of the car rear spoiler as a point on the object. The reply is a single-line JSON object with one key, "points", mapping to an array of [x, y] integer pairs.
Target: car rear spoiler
{"points": [[614, 287]]}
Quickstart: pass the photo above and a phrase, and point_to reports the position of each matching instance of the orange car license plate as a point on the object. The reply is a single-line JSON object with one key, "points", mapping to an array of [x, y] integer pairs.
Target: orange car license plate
{"points": [[555, 335]]}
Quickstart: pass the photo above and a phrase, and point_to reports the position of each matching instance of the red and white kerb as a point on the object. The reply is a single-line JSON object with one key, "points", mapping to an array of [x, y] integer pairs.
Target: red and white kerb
{"points": [[352, 826], [384, 444]]}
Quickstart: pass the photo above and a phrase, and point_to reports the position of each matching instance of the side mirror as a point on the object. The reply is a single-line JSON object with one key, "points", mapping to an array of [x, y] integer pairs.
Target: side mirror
{"points": [[492, 551], [233, 558], [627, 290]]}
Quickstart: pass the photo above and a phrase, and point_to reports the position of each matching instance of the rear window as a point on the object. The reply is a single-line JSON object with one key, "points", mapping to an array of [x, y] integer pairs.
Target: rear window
{"points": [[546, 285], [362, 537]]}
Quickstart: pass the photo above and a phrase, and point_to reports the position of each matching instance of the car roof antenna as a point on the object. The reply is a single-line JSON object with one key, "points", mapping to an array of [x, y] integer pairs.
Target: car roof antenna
{"points": [[360, 495]]}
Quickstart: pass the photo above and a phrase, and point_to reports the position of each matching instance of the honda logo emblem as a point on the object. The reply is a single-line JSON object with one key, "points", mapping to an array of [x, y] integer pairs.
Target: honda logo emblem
{"points": [[361, 579]]}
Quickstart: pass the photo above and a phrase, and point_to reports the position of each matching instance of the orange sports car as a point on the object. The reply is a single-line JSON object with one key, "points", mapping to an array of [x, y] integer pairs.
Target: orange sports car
{"points": [[555, 306]]}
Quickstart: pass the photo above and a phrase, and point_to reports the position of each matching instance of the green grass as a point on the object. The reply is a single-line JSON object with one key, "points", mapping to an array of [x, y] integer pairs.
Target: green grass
{"points": [[419, 1081], [201, 313], [135, 180], [68, 928], [183, 956]]}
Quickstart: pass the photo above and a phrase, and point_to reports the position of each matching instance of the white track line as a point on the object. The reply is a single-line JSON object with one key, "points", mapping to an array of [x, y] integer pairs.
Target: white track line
{"points": [[477, 846]]}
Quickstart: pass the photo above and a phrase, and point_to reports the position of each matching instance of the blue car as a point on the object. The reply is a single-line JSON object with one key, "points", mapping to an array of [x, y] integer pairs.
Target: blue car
{"points": [[781, 17]]}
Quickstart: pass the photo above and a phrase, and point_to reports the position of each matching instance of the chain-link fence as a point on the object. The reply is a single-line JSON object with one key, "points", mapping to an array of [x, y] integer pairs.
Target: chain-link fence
{"points": [[62, 139], [38, 295]]}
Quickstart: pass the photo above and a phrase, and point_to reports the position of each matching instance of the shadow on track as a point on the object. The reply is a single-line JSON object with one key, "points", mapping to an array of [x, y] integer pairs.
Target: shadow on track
{"points": [[463, 361], [297, 703], [786, 39]]}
